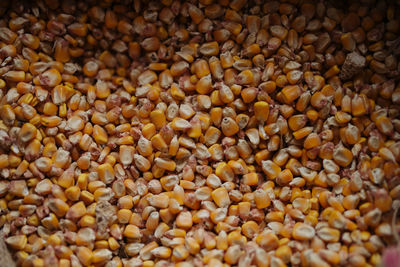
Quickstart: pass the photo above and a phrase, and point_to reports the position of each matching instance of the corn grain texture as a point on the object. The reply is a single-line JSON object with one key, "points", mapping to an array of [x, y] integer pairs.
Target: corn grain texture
{"points": [[199, 133]]}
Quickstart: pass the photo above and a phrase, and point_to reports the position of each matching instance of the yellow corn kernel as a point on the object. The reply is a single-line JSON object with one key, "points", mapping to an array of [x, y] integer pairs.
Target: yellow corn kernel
{"points": [[221, 197], [158, 118], [261, 110]]}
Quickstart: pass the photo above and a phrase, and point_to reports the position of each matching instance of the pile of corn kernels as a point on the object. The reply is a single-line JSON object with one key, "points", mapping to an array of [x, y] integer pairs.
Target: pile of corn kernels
{"points": [[199, 133]]}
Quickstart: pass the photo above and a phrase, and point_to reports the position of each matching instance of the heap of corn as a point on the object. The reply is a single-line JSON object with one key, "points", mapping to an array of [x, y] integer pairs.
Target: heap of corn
{"points": [[199, 133]]}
